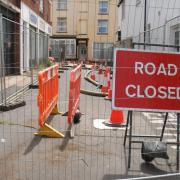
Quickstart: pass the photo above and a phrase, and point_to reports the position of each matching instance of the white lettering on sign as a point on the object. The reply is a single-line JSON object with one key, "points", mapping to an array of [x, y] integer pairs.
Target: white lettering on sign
{"points": [[150, 92], [162, 92], [127, 90], [172, 69], [151, 69]]}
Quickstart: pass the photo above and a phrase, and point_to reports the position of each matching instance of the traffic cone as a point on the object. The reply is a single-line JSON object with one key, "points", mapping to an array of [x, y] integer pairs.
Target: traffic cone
{"points": [[109, 97], [105, 73], [116, 119], [100, 69], [93, 76], [104, 89]]}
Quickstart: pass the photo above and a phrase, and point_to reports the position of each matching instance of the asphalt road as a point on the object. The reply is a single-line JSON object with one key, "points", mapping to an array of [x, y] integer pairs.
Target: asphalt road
{"points": [[92, 154]]}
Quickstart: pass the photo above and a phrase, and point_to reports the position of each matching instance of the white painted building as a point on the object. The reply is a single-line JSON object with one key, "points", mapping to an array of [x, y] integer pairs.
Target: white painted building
{"points": [[34, 38], [162, 22]]}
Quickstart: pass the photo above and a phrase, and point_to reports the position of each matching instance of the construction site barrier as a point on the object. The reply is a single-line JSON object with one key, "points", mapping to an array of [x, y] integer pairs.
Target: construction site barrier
{"points": [[47, 100], [74, 92]]}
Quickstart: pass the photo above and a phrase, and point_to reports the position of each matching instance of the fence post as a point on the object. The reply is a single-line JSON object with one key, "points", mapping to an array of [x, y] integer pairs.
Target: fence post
{"points": [[2, 64]]}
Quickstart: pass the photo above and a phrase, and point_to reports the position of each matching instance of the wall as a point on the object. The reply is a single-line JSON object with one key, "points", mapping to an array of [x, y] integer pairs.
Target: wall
{"points": [[83, 16], [15, 2], [34, 5]]}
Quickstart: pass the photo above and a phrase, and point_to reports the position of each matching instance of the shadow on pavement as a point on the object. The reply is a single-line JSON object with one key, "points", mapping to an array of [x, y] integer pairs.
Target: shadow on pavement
{"points": [[50, 118], [117, 176], [148, 168], [35, 141], [65, 139]]}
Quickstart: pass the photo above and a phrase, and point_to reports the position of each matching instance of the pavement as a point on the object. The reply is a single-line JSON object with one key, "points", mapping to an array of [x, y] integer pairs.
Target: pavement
{"points": [[91, 154], [13, 84]]}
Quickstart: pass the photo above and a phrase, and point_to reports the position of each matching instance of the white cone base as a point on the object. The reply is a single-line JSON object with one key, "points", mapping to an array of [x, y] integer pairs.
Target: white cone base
{"points": [[100, 124]]}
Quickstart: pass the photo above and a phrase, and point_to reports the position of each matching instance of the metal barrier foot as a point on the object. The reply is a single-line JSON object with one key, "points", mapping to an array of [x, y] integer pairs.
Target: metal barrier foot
{"points": [[55, 111], [65, 114], [49, 131]]}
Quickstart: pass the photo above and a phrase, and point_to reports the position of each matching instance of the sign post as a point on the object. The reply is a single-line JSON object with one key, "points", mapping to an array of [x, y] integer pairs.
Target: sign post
{"points": [[146, 81]]}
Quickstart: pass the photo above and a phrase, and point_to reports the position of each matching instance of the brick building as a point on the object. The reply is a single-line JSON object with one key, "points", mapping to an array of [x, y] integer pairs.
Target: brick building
{"points": [[36, 29], [26, 30]]}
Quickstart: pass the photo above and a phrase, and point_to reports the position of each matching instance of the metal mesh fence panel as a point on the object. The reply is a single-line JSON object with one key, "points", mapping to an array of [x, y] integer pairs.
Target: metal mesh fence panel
{"points": [[97, 151]]}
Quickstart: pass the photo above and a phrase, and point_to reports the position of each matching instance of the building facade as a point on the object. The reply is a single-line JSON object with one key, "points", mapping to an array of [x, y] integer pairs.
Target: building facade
{"points": [[150, 22], [10, 14], [36, 21], [84, 30]]}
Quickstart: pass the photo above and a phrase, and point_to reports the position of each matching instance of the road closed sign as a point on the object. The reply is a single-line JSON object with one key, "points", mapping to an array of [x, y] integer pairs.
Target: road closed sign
{"points": [[146, 81]]}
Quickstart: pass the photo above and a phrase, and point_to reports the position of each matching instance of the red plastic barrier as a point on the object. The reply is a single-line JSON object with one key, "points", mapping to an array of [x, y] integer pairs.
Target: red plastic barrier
{"points": [[48, 92], [74, 93]]}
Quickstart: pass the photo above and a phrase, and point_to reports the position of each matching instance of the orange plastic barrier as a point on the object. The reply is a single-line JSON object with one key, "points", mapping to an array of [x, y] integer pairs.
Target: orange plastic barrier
{"points": [[74, 93], [48, 92]]}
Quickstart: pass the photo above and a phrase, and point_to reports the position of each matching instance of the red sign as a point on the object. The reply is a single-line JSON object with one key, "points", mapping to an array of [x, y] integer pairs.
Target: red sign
{"points": [[146, 81]]}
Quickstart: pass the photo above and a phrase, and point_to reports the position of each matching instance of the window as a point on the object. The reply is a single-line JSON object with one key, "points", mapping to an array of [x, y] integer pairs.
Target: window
{"points": [[123, 9], [61, 25], [103, 51], [41, 6], [83, 51], [70, 49], [177, 37], [103, 7], [119, 35], [102, 27], [61, 4], [63, 48], [32, 46]]}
